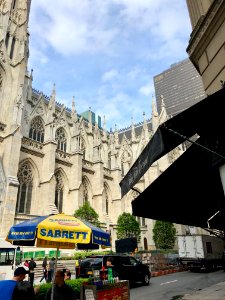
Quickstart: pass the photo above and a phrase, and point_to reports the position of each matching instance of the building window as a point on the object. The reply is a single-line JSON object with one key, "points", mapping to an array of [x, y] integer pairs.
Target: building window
{"points": [[143, 221], [85, 191], [60, 137], [139, 220], [24, 195], [106, 199], [12, 48], [13, 4], [145, 244], [7, 39], [208, 247], [109, 160], [59, 192], [37, 130]]}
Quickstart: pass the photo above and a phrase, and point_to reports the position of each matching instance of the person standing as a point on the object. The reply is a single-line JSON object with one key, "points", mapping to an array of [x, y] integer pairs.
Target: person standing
{"points": [[62, 291], [32, 265], [51, 267]]}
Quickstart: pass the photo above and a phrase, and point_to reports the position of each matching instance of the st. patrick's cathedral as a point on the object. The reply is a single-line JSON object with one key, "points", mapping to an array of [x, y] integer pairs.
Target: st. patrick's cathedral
{"points": [[52, 158]]}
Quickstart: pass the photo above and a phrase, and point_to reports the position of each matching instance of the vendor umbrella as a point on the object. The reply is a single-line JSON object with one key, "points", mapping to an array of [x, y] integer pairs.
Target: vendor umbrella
{"points": [[57, 231]]}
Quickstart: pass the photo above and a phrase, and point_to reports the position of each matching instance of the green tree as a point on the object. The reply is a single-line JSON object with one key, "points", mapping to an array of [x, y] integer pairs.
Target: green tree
{"points": [[164, 235], [127, 226], [86, 212]]}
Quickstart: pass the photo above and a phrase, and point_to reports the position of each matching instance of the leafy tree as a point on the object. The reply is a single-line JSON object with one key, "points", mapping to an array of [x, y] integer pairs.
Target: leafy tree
{"points": [[127, 226], [164, 235], [86, 212]]}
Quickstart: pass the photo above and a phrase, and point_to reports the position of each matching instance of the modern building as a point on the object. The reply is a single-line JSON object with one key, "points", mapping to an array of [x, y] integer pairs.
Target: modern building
{"points": [[179, 87]]}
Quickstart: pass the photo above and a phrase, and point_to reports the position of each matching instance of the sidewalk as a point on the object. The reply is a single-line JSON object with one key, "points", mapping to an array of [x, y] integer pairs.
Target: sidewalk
{"points": [[214, 292]]}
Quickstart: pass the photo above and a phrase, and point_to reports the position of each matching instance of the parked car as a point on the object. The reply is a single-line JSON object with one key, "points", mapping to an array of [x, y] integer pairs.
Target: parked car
{"points": [[126, 266]]}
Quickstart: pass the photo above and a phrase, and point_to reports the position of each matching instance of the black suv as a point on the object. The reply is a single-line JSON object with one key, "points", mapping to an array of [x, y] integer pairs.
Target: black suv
{"points": [[126, 266]]}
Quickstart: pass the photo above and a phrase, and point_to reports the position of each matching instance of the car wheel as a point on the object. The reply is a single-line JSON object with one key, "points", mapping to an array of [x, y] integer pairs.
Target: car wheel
{"points": [[146, 279]]}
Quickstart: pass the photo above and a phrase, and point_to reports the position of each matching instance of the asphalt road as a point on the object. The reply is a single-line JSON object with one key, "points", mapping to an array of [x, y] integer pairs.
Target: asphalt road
{"points": [[169, 287]]}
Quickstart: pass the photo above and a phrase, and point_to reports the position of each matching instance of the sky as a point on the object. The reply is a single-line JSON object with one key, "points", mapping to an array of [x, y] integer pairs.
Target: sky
{"points": [[105, 53]]}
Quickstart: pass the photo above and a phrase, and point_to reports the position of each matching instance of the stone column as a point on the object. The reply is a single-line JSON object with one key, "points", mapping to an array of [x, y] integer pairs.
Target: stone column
{"points": [[47, 183], [10, 162], [75, 179]]}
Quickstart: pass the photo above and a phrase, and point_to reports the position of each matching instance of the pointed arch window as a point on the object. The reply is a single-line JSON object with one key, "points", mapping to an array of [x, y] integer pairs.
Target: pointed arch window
{"points": [[24, 195], [59, 192], [60, 137], [85, 191], [13, 4], [7, 39], [83, 146], [12, 48], [109, 160], [37, 130], [106, 199]]}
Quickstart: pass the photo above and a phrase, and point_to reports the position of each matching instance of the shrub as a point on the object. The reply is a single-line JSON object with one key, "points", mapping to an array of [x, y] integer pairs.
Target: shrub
{"points": [[74, 283]]}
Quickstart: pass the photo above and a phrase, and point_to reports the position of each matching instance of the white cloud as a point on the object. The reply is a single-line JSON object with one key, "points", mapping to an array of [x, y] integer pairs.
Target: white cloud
{"points": [[110, 75], [147, 89], [105, 52]]}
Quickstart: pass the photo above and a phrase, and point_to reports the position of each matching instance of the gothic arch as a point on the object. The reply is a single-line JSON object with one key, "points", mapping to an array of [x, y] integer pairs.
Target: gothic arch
{"points": [[59, 190], [35, 169], [106, 197], [145, 243], [64, 176], [62, 139], [86, 191], [82, 146], [37, 130], [128, 200], [35, 183], [25, 190], [126, 159]]}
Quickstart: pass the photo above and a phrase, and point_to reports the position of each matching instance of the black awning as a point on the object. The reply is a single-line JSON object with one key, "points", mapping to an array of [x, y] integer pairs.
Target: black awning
{"points": [[206, 118], [188, 192]]}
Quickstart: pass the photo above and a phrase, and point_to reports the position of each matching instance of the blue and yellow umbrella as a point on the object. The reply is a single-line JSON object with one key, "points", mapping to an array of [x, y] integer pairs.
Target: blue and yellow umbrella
{"points": [[57, 231]]}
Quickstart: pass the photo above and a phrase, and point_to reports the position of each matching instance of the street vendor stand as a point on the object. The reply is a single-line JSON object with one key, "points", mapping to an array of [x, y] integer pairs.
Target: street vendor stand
{"points": [[109, 291]]}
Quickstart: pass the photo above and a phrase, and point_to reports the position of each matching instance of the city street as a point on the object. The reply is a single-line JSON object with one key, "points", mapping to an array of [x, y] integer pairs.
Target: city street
{"points": [[167, 287]]}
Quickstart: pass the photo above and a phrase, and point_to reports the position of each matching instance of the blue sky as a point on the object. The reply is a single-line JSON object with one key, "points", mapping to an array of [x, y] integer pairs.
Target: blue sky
{"points": [[106, 52]]}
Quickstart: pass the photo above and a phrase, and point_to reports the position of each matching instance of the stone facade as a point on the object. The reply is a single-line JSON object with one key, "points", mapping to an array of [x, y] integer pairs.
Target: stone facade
{"points": [[52, 158], [206, 46]]}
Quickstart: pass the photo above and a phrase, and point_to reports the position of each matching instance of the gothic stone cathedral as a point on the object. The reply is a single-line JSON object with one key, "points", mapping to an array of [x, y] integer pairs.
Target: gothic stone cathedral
{"points": [[53, 159]]}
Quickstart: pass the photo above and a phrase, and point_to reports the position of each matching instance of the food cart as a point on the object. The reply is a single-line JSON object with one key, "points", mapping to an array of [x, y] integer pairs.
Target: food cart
{"points": [[103, 290]]}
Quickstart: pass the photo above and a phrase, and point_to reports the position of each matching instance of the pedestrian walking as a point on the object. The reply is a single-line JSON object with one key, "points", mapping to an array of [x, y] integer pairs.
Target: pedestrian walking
{"points": [[45, 274]]}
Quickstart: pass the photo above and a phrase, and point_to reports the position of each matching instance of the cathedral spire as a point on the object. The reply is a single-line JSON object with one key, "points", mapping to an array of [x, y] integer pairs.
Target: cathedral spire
{"points": [[51, 105], [104, 128], [154, 109], [73, 112], [133, 135], [163, 113], [155, 116], [29, 86]]}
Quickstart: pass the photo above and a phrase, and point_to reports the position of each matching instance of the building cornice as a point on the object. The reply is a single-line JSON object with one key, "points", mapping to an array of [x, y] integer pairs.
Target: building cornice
{"points": [[206, 27]]}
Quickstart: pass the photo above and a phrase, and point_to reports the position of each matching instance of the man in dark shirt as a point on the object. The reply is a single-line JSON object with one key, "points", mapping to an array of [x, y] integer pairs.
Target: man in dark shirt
{"points": [[32, 265], [62, 291]]}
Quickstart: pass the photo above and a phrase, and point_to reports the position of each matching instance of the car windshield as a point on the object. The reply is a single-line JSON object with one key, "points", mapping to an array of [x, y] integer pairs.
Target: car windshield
{"points": [[91, 262]]}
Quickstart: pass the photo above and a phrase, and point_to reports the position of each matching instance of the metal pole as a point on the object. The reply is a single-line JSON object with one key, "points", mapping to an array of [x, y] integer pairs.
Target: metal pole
{"points": [[55, 269]]}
